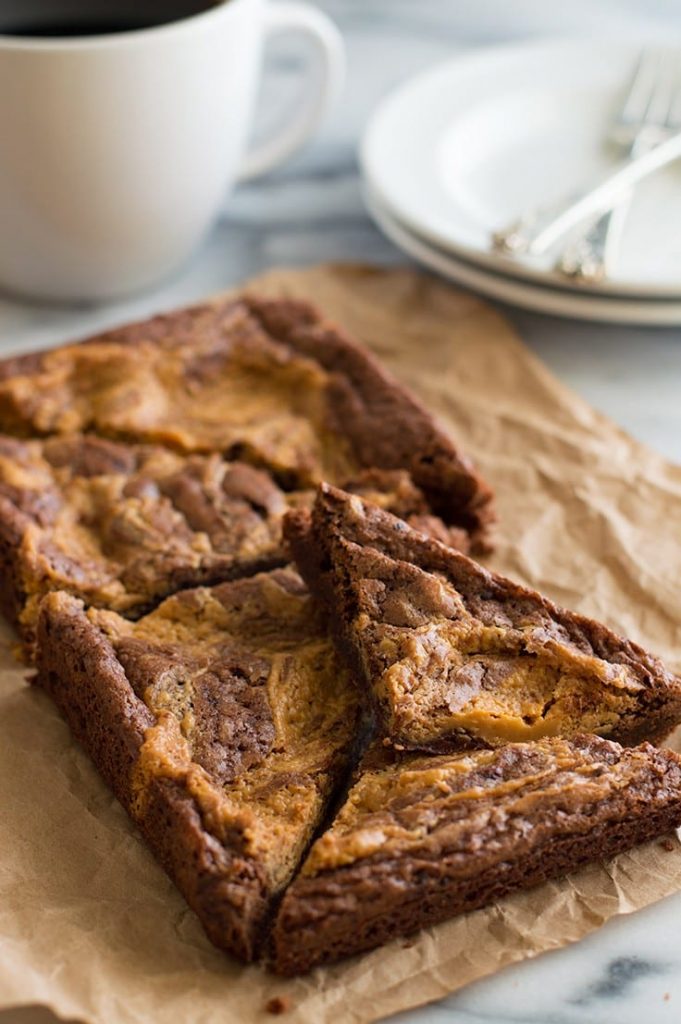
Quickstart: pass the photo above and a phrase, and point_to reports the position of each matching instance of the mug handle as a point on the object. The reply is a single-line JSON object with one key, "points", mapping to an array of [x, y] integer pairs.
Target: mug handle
{"points": [[326, 78]]}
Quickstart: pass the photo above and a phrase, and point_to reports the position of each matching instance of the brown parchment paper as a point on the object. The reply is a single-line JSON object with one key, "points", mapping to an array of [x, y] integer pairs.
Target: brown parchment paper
{"points": [[89, 924]]}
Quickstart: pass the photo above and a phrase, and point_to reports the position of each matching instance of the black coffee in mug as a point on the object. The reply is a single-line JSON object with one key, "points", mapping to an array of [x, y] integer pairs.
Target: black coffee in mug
{"points": [[70, 18]]}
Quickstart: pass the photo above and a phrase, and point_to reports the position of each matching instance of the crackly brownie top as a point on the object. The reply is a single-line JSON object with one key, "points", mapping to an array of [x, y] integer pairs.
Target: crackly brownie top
{"points": [[265, 382], [254, 713], [452, 652], [123, 524], [481, 807]]}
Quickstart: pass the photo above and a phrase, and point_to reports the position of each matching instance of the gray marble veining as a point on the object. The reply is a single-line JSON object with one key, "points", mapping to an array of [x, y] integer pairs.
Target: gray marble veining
{"points": [[630, 971]]}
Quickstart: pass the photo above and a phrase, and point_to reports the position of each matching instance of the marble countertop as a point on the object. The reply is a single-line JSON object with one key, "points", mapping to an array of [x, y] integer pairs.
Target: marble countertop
{"points": [[312, 211]]}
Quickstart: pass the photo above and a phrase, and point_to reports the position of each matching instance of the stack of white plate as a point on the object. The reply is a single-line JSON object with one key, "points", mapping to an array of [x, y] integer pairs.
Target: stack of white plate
{"points": [[468, 147]]}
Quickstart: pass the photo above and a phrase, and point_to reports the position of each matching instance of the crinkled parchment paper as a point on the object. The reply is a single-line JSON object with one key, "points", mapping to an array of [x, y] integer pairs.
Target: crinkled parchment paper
{"points": [[90, 926]]}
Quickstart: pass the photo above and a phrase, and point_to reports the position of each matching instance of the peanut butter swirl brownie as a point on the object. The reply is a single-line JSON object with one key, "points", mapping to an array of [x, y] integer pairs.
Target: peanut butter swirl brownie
{"points": [[162, 459], [269, 383], [224, 723], [426, 838], [454, 656], [122, 526]]}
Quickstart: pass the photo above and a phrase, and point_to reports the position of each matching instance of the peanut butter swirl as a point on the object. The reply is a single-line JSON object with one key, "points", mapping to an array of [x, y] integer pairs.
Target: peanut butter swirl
{"points": [[453, 655], [253, 714], [264, 382]]}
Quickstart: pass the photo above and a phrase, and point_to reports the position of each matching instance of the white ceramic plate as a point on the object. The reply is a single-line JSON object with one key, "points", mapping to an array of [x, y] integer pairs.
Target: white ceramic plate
{"points": [[467, 147], [541, 299]]}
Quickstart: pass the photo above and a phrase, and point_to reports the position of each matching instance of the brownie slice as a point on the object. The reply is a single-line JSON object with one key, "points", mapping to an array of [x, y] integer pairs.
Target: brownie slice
{"points": [[266, 382], [122, 526], [427, 838], [452, 655], [224, 724]]}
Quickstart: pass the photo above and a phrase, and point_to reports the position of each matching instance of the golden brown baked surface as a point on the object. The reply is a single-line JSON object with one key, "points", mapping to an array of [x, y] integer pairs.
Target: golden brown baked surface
{"points": [[123, 525], [264, 382], [453, 655], [240, 705], [424, 838]]}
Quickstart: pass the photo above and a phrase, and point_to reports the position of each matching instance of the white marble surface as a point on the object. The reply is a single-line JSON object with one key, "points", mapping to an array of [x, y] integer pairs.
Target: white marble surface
{"points": [[630, 971]]}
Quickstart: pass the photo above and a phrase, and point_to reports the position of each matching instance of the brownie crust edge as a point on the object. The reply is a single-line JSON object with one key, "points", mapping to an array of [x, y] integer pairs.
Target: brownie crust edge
{"points": [[354, 903], [228, 893]]}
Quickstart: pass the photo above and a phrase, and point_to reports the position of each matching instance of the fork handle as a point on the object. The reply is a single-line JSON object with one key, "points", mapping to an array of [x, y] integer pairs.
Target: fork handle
{"points": [[534, 234]]}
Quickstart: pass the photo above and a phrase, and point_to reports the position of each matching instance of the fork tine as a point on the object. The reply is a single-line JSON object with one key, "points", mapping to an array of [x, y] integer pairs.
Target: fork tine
{"points": [[674, 116], [663, 91], [641, 88]]}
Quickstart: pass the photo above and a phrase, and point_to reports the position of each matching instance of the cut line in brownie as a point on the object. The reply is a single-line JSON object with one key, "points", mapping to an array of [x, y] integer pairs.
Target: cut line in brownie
{"points": [[122, 526], [430, 837], [451, 655], [224, 724], [268, 382]]}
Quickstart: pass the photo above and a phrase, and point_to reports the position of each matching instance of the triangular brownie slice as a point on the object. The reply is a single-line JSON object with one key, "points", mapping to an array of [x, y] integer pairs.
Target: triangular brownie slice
{"points": [[123, 525], [430, 837], [268, 382], [223, 722], [453, 655]]}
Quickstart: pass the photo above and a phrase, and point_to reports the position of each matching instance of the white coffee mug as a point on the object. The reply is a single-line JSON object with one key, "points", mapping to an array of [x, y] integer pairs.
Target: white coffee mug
{"points": [[117, 150]]}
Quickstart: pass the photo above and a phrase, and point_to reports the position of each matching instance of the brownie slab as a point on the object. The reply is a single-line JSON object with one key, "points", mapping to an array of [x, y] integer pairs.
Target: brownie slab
{"points": [[122, 526], [452, 655], [266, 382], [427, 838], [224, 724]]}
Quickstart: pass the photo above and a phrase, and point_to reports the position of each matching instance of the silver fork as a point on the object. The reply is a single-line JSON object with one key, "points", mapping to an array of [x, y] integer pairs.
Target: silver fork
{"points": [[651, 113], [538, 231]]}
